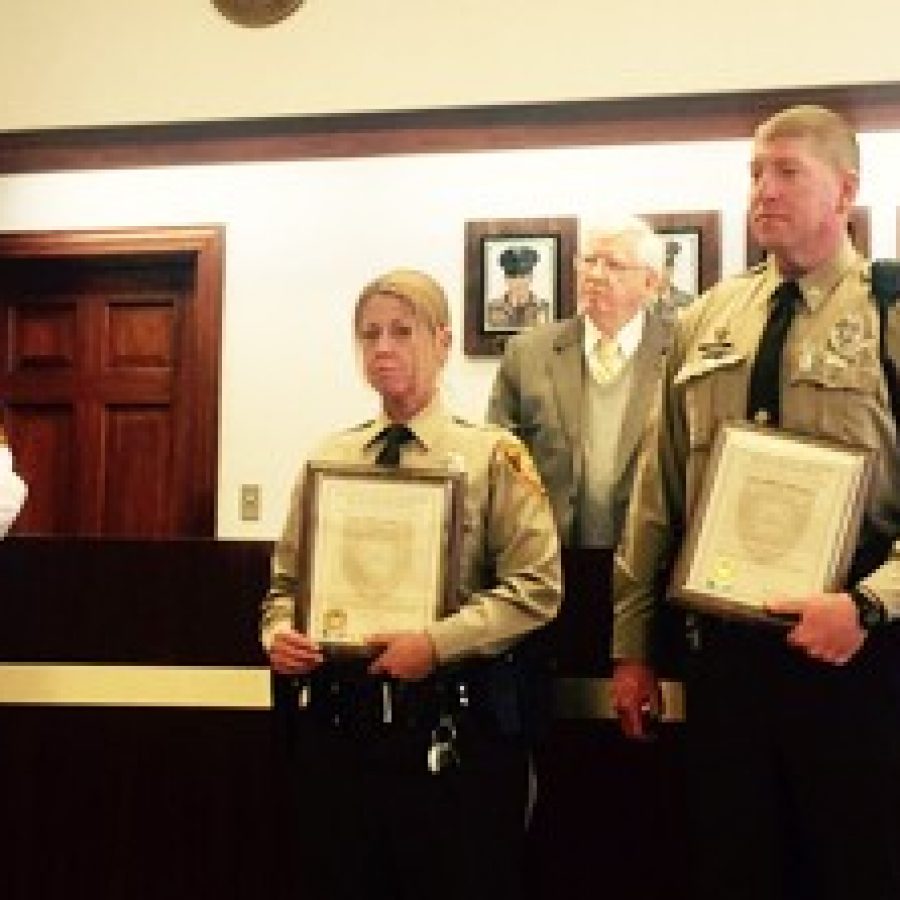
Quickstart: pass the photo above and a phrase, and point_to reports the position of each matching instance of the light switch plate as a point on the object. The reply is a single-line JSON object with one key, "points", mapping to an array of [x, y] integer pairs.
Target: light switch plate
{"points": [[250, 502]]}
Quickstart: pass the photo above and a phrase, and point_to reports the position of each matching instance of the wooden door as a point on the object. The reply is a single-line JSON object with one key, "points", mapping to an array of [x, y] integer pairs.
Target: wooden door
{"points": [[109, 375]]}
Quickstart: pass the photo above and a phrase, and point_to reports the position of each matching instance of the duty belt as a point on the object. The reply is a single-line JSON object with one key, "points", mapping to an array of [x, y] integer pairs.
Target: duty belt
{"points": [[365, 702], [495, 691]]}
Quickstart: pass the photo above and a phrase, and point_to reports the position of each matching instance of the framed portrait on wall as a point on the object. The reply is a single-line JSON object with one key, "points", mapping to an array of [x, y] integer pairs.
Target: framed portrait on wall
{"points": [[691, 241], [518, 273], [859, 228]]}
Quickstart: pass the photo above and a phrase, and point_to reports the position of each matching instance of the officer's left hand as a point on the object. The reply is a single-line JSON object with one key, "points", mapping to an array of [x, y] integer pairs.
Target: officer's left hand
{"points": [[828, 627], [407, 654]]}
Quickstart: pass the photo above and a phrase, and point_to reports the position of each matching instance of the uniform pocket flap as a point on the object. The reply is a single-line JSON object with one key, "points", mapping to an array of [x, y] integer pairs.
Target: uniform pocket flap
{"points": [[843, 376], [699, 366]]}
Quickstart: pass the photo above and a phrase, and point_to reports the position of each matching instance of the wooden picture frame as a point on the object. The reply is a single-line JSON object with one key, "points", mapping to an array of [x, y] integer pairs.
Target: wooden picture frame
{"points": [[504, 257], [859, 227], [778, 516], [693, 264], [379, 551]]}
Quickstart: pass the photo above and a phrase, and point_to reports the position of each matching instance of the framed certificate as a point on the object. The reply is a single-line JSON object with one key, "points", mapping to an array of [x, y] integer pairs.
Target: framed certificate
{"points": [[778, 516], [379, 551]]}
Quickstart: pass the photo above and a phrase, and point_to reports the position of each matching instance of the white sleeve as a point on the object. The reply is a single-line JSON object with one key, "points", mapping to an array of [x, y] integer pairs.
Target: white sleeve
{"points": [[12, 491]]}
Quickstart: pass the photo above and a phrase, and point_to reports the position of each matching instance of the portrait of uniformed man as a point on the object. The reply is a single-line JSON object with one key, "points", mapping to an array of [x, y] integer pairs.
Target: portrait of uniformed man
{"points": [[519, 306], [678, 271]]}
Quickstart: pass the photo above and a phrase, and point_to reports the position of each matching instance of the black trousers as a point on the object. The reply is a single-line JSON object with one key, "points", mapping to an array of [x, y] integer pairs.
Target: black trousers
{"points": [[373, 822], [794, 769]]}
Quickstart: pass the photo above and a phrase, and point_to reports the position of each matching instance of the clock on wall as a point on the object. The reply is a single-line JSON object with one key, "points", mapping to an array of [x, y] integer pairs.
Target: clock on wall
{"points": [[256, 13]]}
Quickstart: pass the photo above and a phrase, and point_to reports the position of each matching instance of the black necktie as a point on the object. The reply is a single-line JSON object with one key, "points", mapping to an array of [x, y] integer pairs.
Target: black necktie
{"points": [[765, 378], [394, 437]]}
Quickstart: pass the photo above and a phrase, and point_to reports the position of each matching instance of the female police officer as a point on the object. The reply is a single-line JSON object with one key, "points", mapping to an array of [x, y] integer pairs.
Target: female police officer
{"points": [[381, 812]]}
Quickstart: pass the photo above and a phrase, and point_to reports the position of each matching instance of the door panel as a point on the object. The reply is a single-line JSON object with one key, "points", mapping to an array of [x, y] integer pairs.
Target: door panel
{"points": [[138, 492], [43, 337], [43, 446]]}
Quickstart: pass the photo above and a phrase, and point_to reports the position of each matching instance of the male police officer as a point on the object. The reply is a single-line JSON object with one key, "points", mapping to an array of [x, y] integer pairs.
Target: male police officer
{"points": [[793, 733], [519, 307]]}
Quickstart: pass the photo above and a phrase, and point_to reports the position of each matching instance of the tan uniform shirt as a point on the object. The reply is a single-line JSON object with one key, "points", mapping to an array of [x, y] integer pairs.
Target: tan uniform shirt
{"points": [[833, 387], [508, 530]]}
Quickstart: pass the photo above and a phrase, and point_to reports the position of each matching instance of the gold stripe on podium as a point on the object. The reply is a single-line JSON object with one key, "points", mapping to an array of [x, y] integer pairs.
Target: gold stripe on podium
{"points": [[109, 685], [35, 684]]}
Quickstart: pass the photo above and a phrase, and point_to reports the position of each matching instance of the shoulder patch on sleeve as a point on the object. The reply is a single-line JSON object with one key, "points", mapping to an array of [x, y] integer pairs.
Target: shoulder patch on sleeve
{"points": [[520, 461]]}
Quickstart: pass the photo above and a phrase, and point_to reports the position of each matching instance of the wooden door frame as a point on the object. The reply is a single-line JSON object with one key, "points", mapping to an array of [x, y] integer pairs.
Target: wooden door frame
{"points": [[206, 243]]}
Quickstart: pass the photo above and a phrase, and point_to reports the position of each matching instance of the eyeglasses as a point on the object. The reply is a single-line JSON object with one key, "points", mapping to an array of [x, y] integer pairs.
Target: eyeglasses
{"points": [[602, 263]]}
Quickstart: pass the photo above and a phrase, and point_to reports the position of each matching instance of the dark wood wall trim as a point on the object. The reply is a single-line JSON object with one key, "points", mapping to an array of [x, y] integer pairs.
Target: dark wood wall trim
{"points": [[202, 239], [668, 118]]}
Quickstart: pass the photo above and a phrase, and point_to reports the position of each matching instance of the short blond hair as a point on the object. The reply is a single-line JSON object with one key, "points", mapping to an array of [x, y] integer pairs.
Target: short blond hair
{"points": [[424, 296], [831, 135]]}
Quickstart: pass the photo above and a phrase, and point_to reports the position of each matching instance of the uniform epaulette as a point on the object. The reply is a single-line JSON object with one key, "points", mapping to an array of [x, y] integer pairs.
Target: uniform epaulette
{"points": [[361, 427], [758, 269]]}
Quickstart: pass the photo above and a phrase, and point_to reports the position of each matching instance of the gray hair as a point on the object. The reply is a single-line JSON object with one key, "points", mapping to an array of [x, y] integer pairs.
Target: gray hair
{"points": [[649, 249]]}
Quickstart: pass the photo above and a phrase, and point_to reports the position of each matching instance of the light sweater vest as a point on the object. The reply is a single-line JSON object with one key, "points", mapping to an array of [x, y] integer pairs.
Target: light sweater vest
{"points": [[605, 407]]}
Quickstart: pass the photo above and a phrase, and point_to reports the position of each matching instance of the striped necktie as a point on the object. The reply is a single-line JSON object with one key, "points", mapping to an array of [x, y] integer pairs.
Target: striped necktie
{"points": [[606, 360]]}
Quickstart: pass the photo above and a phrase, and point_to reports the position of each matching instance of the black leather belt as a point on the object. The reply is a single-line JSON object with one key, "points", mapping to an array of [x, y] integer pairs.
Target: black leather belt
{"points": [[368, 701], [489, 690]]}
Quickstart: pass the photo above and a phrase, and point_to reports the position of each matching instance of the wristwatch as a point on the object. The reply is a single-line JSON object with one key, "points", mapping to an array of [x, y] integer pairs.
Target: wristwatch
{"points": [[870, 610]]}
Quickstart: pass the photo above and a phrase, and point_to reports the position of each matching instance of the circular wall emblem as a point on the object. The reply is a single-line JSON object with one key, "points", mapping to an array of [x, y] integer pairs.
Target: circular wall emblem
{"points": [[256, 13]]}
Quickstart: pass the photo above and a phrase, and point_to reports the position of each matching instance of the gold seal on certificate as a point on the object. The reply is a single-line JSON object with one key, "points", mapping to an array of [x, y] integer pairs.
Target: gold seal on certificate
{"points": [[778, 516], [379, 551]]}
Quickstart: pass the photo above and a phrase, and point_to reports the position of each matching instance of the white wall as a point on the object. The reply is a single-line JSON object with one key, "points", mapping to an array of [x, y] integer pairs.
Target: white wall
{"points": [[69, 63], [302, 238]]}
